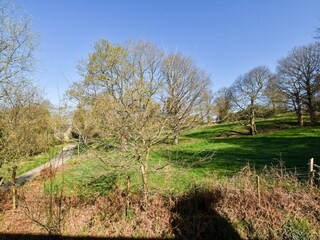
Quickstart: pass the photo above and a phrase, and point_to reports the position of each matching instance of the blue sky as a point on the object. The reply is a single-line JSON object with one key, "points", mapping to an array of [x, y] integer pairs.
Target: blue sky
{"points": [[226, 38]]}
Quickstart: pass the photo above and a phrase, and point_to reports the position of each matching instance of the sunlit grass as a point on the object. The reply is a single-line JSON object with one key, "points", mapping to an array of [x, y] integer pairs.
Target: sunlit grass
{"points": [[206, 153], [36, 161]]}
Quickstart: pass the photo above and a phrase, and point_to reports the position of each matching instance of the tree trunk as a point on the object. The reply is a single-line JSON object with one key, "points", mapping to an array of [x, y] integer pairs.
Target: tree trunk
{"points": [[14, 189], [300, 117], [252, 124], [310, 105], [312, 112], [176, 134], [143, 169], [175, 140], [313, 118], [298, 109]]}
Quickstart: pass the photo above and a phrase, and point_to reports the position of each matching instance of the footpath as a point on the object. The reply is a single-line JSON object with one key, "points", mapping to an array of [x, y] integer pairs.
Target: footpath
{"points": [[56, 162]]}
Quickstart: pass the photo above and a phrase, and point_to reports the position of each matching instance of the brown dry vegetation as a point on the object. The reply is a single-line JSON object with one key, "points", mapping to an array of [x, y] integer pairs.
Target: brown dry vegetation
{"points": [[230, 209]]}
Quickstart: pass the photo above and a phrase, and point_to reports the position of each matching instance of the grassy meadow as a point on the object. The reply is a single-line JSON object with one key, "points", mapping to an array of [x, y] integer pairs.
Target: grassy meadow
{"points": [[205, 187], [206, 154]]}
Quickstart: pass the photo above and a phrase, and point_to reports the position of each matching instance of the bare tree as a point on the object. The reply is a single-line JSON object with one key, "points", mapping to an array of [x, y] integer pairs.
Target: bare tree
{"points": [[277, 99], [185, 85], [292, 87], [248, 90], [206, 108], [299, 79], [222, 104], [17, 44], [126, 83]]}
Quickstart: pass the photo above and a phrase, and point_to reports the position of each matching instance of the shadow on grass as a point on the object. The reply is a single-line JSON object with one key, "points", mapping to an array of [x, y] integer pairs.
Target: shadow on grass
{"points": [[101, 184], [232, 154], [195, 217], [215, 131]]}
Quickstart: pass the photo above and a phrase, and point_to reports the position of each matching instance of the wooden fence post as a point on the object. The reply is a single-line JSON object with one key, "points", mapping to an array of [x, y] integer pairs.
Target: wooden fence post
{"points": [[14, 189], [311, 170], [128, 195]]}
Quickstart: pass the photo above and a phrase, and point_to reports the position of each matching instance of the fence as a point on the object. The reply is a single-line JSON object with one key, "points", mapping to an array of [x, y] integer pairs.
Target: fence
{"points": [[314, 171]]}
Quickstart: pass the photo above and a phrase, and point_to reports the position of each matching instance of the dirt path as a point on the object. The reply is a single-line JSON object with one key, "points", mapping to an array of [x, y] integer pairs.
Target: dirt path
{"points": [[60, 159]]}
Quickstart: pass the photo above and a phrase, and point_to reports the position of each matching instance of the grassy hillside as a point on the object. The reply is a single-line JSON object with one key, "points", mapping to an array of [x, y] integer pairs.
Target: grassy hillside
{"points": [[204, 154], [197, 192], [279, 139]]}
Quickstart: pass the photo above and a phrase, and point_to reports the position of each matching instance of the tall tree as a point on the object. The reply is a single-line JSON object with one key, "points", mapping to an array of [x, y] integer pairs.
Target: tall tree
{"points": [[299, 78], [248, 90], [24, 120], [185, 85], [19, 122], [127, 81], [17, 44]]}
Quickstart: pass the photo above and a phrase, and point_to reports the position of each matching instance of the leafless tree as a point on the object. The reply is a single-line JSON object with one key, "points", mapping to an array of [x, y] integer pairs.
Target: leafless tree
{"points": [[277, 100], [222, 104], [206, 107], [299, 79], [17, 44], [185, 85], [248, 90], [126, 82]]}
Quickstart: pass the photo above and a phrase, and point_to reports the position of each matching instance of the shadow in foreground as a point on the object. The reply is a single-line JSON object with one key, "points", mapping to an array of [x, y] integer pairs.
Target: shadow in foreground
{"points": [[4, 236], [195, 217]]}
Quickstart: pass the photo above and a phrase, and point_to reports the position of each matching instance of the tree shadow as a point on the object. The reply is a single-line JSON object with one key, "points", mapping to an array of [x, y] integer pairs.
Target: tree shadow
{"points": [[195, 217], [229, 155]]}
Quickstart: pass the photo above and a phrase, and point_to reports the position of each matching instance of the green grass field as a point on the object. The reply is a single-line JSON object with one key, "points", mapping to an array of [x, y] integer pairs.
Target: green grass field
{"points": [[279, 139], [205, 154], [36, 161]]}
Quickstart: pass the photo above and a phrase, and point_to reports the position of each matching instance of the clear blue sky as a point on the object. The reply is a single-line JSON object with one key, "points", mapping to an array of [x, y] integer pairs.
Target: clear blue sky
{"points": [[226, 38]]}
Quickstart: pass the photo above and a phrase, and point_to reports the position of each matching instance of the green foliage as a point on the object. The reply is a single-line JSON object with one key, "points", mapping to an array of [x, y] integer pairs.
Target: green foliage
{"points": [[297, 229]]}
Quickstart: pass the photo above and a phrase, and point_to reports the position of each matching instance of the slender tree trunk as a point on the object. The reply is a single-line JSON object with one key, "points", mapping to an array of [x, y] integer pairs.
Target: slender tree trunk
{"points": [[175, 139], [143, 170], [300, 117], [299, 113], [176, 134], [14, 189], [252, 124]]}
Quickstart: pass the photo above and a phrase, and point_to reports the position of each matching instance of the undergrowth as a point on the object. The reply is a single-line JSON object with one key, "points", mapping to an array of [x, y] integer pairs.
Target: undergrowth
{"points": [[233, 208]]}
